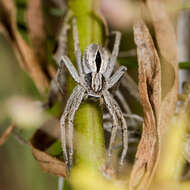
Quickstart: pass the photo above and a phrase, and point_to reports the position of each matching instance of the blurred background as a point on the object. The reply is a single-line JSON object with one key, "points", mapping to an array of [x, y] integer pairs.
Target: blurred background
{"points": [[18, 169]]}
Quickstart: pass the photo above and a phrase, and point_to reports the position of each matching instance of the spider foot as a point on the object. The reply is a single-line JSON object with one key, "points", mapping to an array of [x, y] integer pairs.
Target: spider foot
{"points": [[108, 161], [68, 167], [70, 163], [120, 166]]}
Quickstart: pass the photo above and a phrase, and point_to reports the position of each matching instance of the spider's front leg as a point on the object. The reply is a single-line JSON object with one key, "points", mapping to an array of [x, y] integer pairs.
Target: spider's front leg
{"points": [[72, 106], [77, 47], [116, 76], [118, 118], [57, 85], [114, 54]]}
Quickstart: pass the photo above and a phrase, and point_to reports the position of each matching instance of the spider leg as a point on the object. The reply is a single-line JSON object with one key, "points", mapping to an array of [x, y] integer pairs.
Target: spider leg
{"points": [[77, 46], [128, 83], [62, 37], [116, 76], [116, 112], [125, 137], [63, 122], [125, 106], [79, 97], [114, 127], [138, 118], [60, 78], [67, 116], [121, 98], [70, 67], [114, 55], [56, 86], [58, 83]]}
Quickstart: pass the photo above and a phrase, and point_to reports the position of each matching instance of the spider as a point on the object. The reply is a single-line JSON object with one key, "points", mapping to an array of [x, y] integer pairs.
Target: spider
{"points": [[94, 79]]}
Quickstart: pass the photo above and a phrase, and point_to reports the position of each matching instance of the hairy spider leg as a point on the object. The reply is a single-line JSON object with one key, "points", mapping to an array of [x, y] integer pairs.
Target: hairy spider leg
{"points": [[77, 47], [116, 76], [122, 100], [114, 55], [124, 133], [60, 78], [62, 125], [117, 115], [114, 127], [72, 105], [123, 125], [71, 68], [62, 38], [126, 109]]}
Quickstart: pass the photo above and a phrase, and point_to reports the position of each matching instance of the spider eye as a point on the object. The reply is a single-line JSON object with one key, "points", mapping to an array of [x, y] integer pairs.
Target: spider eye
{"points": [[98, 61]]}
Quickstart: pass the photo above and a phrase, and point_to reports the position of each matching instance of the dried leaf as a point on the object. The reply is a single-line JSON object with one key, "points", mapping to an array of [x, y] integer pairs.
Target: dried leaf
{"points": [[26, 56], [40, 142], [49, 163], [6, 134], [166, 40], [150, 97], [36, 28]]}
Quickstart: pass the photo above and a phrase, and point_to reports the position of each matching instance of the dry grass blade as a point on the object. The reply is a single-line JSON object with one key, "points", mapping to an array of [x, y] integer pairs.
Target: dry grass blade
{"points": [[150, 97], [166, 40], [6, 134], [36, 28], [26, 56]]}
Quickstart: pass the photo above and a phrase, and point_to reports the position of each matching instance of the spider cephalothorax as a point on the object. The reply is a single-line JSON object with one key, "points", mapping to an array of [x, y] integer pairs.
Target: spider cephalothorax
{"points": [[95, 61], [94, 78]]}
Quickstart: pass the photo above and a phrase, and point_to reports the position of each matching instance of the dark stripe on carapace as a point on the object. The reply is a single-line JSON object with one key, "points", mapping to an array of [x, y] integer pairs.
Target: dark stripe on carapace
{"points": [[98, 61]]}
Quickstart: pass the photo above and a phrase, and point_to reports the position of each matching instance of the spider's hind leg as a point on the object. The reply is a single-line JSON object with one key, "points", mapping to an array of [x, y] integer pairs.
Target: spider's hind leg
{"points": [[124, 136], [72, 106], [114, 127], [78, 99], [118, 117]]}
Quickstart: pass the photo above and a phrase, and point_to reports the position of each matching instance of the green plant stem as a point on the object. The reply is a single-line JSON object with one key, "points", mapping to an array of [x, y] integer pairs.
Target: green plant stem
{"points": [[88, 127]]}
